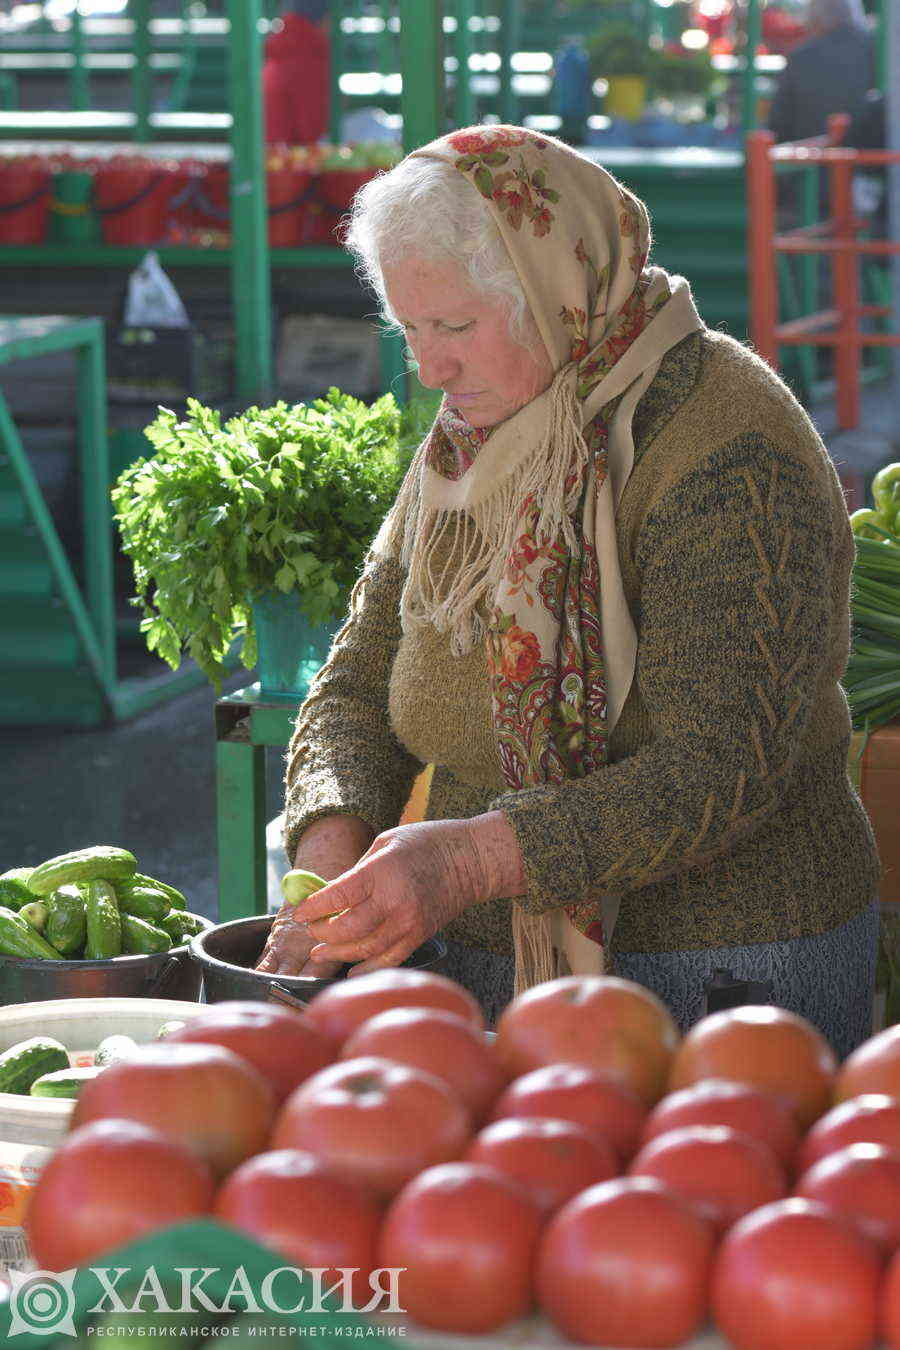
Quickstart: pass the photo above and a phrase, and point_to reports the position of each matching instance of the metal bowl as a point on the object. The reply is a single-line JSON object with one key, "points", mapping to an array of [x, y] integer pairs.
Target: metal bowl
{"points": [[227, 954], [170, 974]]}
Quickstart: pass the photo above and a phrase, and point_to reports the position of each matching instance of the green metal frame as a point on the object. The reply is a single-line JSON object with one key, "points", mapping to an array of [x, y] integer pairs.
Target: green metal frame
{"points": [[92, 614], [92, 610], [250, 282], [246, 726]]}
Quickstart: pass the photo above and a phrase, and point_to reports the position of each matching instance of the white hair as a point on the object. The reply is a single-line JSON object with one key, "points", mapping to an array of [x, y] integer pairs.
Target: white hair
{"points": [[827, 14], [426, 209]]}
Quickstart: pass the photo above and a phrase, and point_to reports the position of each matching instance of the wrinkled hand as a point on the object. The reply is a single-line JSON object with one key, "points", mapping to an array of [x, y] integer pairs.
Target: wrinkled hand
{"points": [[330, 846], [288, 947], [409, 884]]}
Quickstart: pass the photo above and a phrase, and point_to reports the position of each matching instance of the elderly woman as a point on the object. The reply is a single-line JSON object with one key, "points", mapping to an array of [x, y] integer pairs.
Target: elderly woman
{"points": [[610, 606]]}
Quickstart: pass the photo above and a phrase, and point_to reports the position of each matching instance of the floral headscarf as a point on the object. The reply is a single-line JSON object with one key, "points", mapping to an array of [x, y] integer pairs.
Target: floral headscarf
{"points": [[508, 533]]}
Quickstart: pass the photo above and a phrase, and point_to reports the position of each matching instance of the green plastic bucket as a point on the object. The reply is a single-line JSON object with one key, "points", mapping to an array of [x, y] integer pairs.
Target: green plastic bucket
{"points": [[291, 649], [72, 219]]}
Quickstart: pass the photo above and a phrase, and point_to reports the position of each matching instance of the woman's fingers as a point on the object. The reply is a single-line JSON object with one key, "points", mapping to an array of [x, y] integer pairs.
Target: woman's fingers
{"points": [[369, 945], [394, 956], [288, 946], [331, 899]]}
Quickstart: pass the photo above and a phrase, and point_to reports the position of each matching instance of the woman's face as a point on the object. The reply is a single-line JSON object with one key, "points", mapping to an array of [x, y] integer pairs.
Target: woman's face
{"points": [[461, 342]]}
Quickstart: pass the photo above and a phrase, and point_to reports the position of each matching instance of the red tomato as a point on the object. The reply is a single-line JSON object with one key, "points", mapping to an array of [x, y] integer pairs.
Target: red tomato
{"points": [[889, 1311], [109, 1183], [292, 1202], [625, 1263], [862, 1183], [873, 1067], [613, 1026], [569, 1092], [795, 1276], [438, 1042], [346, 1004], [871, 1119], [552, 1159], [204, 1095], [467, 1236], [764, 1047], [281, 1044], [717, 1102], [375, 1122], [721, 1173]]}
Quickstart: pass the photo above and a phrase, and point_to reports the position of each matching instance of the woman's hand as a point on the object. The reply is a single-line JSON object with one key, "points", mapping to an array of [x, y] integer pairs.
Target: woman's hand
{"points": [[329, 847], [407, 886]]}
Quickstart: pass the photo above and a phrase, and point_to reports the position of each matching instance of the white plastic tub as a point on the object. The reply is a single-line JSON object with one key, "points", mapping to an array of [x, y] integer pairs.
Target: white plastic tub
{"points": [[80, 1024]]}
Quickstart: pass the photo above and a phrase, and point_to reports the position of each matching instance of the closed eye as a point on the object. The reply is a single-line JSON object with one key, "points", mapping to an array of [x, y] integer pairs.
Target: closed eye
{"points": [[448, 328]]}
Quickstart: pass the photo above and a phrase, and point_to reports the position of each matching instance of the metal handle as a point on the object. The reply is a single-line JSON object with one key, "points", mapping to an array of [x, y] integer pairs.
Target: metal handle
{"points": [[278, 994], [163, 976]]}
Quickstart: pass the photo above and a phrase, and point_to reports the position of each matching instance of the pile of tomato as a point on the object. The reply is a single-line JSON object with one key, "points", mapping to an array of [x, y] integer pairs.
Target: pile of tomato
{"points": [[587, 1163]]}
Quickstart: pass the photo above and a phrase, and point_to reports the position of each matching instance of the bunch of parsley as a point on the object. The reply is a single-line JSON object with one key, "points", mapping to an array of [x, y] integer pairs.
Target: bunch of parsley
{"points": [[287, 497]]}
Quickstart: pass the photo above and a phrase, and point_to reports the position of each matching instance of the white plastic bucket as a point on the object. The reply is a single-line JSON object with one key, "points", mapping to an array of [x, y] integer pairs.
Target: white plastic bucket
{"points": [[31, 1127]]}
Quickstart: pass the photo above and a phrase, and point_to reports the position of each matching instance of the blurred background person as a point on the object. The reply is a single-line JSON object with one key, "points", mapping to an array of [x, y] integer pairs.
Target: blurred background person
{"points": [[296, 74], [831, 72]]}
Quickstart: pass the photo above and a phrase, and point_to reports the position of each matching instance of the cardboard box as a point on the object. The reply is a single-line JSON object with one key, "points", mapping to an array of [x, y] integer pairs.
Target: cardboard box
{"points": [[875, 769]]}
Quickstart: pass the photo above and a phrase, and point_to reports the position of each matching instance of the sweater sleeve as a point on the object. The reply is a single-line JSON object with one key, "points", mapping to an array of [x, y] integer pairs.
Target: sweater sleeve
{"points": [[734, 622], [344, 758]]}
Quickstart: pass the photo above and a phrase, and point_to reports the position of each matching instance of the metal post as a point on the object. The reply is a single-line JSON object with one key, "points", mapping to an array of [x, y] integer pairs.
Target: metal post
{"points": [[95, 509], [892, 89], [336, 35], [250, 287], [141, 80], [509, 44], [79, 83], [845, 284], [753, 37], [464, 110], [422, 71], [761, 232]]}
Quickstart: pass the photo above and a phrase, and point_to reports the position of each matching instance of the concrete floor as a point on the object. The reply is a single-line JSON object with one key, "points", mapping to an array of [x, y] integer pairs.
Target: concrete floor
{"points": [[149, 785]]}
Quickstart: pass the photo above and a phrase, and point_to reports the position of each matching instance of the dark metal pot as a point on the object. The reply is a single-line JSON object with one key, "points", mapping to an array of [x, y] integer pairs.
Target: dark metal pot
{"points": [[227, 954], [170, 974]]}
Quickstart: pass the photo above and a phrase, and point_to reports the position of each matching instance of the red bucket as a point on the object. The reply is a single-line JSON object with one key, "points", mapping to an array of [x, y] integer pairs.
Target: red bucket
{"points": [[212, 197], [132, 198], [337, 188], [288, 191], [25, 184]]}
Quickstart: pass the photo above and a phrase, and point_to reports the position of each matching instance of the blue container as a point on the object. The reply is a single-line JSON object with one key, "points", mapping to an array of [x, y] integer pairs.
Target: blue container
{"points": [[291, 649]]}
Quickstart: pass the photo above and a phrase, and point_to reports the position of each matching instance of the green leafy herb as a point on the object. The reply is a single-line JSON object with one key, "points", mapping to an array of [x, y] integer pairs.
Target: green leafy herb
{"points": [[872, 679], [287, 497]]}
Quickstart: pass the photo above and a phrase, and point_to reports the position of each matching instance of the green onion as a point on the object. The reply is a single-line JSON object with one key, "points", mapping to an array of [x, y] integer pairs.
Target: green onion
{"points": [[872, 679]]}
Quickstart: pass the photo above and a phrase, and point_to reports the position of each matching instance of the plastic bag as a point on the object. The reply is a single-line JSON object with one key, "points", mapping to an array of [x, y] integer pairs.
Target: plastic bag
{"points": [[151, 300]]}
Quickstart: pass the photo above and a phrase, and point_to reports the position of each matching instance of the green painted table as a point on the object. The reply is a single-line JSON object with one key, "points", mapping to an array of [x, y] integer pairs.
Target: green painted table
{"points": [[246, 725]]}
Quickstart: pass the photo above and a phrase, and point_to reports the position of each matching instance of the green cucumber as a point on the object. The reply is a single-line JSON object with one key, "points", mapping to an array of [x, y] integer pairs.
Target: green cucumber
{"points": [[114, 1048], [63, 1082], [103, 923], [18, 938], [176, 899], [142, 901], [22, 1063], [66, 923], [35, 914], [298, 885], [14, 892], [168, 1028], [100, 862], [140, 938], [181, 925]]}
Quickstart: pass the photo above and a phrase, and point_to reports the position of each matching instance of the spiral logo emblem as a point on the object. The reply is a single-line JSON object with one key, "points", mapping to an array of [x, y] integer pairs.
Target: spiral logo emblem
{"points": [[42, 1301]]}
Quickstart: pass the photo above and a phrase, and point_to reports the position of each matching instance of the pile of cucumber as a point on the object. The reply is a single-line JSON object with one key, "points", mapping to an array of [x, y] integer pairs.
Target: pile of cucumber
{"points": [[90, 905], [40, 1067]]}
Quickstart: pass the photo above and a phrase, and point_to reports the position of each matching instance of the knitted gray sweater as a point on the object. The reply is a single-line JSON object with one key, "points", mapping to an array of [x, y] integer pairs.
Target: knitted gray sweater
{"points": [[725, 815]]}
